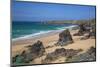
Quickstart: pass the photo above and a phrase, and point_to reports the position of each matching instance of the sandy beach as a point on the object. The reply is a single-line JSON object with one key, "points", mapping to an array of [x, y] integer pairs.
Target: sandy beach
{"points": [[49, 33], [48, 41]]}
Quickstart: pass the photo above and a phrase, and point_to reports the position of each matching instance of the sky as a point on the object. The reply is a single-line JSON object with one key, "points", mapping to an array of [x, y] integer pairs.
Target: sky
{"points": [[33, 11]]}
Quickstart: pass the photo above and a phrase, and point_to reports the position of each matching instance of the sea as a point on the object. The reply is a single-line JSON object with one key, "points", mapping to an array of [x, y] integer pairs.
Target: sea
{"points": [[22, 30]]}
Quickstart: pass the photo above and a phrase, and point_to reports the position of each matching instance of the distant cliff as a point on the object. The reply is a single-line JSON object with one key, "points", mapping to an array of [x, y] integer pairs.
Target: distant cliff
{"points": [[70, 21]]}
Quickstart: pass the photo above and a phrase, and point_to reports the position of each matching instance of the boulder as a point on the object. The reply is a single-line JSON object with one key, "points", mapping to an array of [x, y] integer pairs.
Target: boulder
{"points": [[34, 51], [64, 38], [83, 28], [37, 48]]}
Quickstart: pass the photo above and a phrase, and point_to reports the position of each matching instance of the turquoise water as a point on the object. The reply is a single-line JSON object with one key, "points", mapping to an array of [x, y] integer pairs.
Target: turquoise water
{"points": [[21, 29]]}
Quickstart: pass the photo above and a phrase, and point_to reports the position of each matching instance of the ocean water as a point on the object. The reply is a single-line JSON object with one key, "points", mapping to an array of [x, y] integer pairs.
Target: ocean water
{"points": [[28, 29]]}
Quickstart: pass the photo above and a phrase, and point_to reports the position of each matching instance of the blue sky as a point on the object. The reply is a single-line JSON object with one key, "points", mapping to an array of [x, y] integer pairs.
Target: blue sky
{"points": [[30, 11]]}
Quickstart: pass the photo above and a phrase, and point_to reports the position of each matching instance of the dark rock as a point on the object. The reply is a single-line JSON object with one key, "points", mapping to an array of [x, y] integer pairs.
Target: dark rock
{"points": [[34, 51], [83, 28], [92, 33], [14, 58], [91, 50], [64, 38], [57, 51], [62, 52], [89, 55], [37, 48]]}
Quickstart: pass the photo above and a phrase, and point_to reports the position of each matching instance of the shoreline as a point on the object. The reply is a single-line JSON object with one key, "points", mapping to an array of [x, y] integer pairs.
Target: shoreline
{"points": [[44, 33], [50, 40]]}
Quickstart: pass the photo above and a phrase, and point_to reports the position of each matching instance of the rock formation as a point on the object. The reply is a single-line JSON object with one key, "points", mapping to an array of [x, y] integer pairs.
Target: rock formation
{"points": [[61, 52], [34, 51], [92, 33], [86, 30], [89, 55], [37, 48], [83, 28], [64, 38]]}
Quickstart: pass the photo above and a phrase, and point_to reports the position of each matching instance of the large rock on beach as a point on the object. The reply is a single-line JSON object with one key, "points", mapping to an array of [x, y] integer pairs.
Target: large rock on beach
{"points": [[34, 51], [64, 38], [37, 48], [83, 28], [91, 33]]}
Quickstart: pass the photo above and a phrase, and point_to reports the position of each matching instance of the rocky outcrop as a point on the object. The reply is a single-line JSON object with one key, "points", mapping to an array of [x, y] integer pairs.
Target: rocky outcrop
{"points": [[86, 30], [37, 48], [34, 51], [92, 50], [64, 38], [61, 52], [92, 33], [83, 28], [89, 55]]}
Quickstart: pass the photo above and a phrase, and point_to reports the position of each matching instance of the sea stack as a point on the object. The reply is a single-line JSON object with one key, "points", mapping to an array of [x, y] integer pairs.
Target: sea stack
{"points": [[64, 38]]}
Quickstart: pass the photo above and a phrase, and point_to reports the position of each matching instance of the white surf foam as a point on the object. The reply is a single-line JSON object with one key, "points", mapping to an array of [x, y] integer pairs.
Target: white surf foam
{"points": [[41, 33], [68, 27], [31, 35]]}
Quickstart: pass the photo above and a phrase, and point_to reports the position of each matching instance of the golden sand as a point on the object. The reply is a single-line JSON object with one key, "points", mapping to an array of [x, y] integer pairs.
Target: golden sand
{"points": [[50, 40]]}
